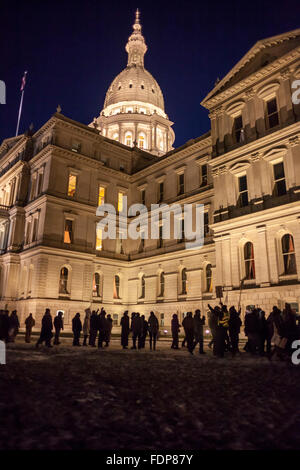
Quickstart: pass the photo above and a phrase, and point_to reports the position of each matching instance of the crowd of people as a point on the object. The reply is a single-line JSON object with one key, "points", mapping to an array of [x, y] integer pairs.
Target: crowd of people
{"points": [[279, 330]]}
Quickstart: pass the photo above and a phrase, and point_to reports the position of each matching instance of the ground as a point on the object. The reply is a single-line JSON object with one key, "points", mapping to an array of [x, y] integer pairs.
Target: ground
{"points": [[83, 398]]}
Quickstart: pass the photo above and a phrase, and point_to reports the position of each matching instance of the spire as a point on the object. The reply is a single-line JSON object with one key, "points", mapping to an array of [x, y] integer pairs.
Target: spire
{"points": [[136, 47]]}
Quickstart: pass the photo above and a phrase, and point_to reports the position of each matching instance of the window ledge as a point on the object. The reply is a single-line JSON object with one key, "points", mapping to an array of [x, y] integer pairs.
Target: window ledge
{"points": [[288, 277]]}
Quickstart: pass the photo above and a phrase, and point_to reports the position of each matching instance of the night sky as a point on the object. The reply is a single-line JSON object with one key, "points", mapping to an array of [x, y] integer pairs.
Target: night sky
{"points": [[74, 49]]}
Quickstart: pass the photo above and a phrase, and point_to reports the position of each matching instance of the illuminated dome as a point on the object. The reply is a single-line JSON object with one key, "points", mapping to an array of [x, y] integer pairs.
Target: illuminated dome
{"points": [[134, 110], [135, 83]]}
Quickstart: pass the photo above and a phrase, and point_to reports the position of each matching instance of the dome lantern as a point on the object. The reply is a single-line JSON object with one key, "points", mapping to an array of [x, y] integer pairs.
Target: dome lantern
{"points": [[136, 47]]}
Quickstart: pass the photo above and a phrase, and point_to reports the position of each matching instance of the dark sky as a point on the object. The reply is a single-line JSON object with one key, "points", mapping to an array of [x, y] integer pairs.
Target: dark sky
{"points": [[73, 50]]}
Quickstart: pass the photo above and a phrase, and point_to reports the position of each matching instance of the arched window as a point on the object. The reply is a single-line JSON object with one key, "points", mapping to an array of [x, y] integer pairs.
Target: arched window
{"points": [[183, 281], [249, 261], [142, 141], [96, 285], [208, 278], [161, 285], [128, 139], [142, 287], [63, 280], [116, 287], [288, 253]]}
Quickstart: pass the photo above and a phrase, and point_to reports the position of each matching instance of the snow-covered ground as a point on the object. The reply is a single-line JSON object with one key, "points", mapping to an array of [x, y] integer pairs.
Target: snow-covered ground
{"points": [[85, 398]]}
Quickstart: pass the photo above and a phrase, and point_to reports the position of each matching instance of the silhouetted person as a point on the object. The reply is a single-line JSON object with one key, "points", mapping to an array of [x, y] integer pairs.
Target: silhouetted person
{"points": [[109, 325], [213, 324], [86, 326], [144, 332], [262, 331], [188, 325], [251, 330], [46, 330], [175, 328], [234, 329], [29, 324], [58, 326], [136, 328], [199, 323], [102, 327], [76, 328], [153, 328], [93, 328], [14, 325], [125, 330], [270, 331], [4, 325], [221, 332]]}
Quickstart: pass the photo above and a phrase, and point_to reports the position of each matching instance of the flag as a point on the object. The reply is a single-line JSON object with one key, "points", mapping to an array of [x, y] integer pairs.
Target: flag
{"points": [[23, 82]]}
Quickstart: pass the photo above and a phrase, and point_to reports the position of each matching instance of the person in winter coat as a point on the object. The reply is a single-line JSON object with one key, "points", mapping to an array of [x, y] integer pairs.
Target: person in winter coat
{"points": [[221, 332], [109, 325], [143, 335], [76, 328], [234, 329], [136, 328], [199, 322], [153, 328], [29, 324], [125, 330], [93, 328], [188, 325], [175, 327], [86, 326], [46, 331], [262, 331], [58, 326], [4, 326], [270, 330], [14, 325], [252, 330]]}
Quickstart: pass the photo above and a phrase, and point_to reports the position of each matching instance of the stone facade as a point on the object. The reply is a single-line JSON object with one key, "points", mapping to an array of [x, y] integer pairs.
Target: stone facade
{"points": [[246, 172]]}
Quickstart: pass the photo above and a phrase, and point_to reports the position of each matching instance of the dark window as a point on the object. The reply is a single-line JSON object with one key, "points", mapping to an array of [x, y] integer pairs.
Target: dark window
{"points": [[203, 175], [272, 113], [143, 196], [130, 86], [142, 87], [160, 240], [249, 261], [63, 281], [161, 284], [181, 184], [161, 192], [279, 179], [206, 227], [143, 286], [288, 252], [237, 127], [183, 281], [208, 278], [243, 191]]}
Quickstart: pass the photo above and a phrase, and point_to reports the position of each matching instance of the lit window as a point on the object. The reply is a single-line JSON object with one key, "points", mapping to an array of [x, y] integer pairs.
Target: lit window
{"points": [[72, 185], [101, 195], [116, 292], [181, 184], [98, 239], [243, 191], [120, 201], [115, 136], [237, 127], [141, 142], [288, 253], [115, 319], [68, 235], [63, 281], [249, 261], [279, 180], [96, 285], [208, 278], [128, 139], [272, 113]]}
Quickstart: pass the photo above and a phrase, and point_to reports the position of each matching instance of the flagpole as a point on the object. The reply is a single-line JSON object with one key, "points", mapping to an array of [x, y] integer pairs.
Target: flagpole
{"points": [[20, 111], [21, 102]]}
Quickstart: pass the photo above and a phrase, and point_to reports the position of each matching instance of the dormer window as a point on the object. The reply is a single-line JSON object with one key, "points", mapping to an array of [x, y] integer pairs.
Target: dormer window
{"points": [[130, 85], [142, 87], [153, 91], [272, 113]]}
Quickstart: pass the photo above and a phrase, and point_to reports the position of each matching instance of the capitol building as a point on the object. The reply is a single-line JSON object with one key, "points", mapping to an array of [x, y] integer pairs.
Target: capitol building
{"points": [[245, 171]]}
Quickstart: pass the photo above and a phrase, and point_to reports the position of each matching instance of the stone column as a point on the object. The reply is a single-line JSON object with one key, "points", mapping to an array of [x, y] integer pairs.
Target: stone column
{"points": [[261, 257]]}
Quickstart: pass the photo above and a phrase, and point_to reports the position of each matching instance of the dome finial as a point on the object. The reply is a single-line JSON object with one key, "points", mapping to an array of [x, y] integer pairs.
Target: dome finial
{"points": [[136, 47]]}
